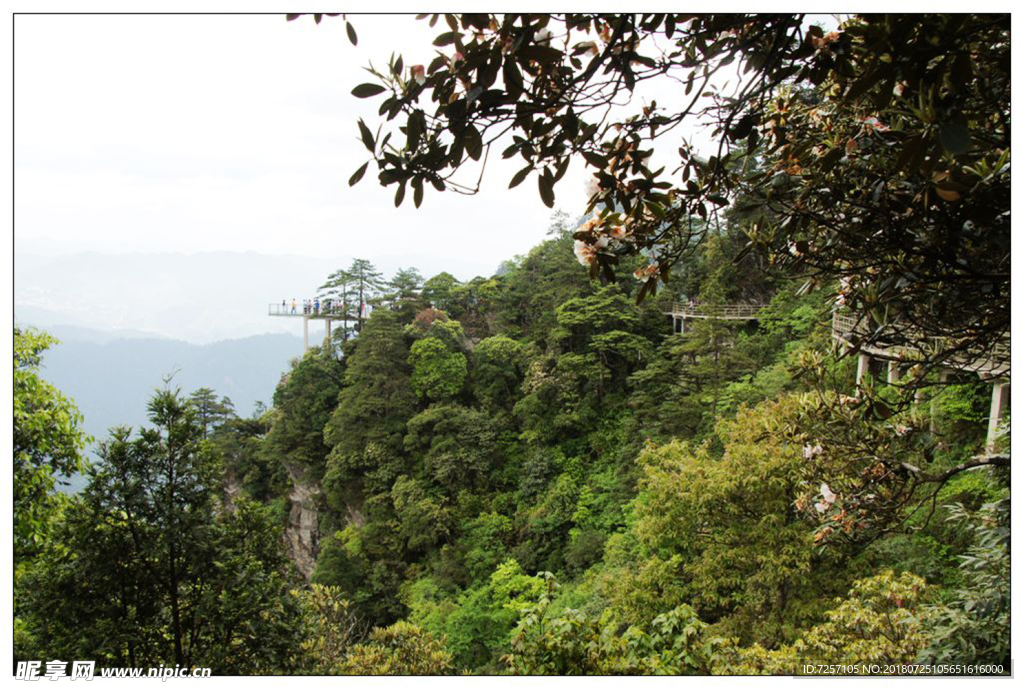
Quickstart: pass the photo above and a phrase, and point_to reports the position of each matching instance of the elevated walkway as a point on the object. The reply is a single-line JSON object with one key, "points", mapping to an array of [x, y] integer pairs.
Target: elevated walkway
{"points": [[725, 312], [992, 365], [852, 332]]}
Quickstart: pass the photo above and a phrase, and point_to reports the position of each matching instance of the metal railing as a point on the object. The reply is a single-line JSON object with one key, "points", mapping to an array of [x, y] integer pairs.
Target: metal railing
{"points": [[736, 311], [284, 310], [325, 311], [994, 360]]}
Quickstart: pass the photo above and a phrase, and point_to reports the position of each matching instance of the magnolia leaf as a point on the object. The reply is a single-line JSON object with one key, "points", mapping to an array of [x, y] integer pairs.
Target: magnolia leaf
{"points": [[367, 90], [358, 175], [518, 178], [955, 138], [547, 193], [366, 136]]}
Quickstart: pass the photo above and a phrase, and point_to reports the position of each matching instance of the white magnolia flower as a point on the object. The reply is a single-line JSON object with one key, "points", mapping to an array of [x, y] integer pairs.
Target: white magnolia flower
{"points": [[827, 494], [821, 507], [647, 272], [586, 254]]}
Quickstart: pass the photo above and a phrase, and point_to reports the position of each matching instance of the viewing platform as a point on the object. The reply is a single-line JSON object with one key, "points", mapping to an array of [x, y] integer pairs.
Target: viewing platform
{"points": [[726, 312], [328, 314], [333, 313]]}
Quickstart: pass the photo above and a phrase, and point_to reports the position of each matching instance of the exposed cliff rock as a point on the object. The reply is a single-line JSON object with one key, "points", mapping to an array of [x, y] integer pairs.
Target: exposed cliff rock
{"points": [[232, 489], [302, 534]]}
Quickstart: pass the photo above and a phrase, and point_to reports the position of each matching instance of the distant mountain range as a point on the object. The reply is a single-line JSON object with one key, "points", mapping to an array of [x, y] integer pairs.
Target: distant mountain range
{"points": [[111, 377], [201, 298]]}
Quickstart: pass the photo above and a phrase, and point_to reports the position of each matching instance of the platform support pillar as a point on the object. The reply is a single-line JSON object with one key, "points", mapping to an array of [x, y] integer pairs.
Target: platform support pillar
{"points": [[1000, 396], [863, 367], [305, 333]]}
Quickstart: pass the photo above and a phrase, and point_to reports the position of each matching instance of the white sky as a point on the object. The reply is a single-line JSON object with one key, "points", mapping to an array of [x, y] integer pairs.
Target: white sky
{"points": [[201, 133], [192, 133]]}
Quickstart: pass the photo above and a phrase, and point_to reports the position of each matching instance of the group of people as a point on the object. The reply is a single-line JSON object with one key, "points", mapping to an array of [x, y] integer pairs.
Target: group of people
{"points": [[314, 307]]}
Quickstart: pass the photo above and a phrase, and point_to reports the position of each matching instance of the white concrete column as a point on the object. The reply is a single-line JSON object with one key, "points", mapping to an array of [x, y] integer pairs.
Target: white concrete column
{"points": [[682, 326], [893, 375], [863, 367], [305, 333], [327, 336], [1000, 396]]}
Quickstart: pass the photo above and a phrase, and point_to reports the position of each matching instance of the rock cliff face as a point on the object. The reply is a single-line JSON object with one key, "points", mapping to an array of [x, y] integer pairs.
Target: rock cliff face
{"points": [[232, 489], [302, 534]]}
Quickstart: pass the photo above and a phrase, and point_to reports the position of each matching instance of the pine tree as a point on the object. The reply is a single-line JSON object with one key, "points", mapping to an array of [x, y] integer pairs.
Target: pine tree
{"points": [[210, 412]]}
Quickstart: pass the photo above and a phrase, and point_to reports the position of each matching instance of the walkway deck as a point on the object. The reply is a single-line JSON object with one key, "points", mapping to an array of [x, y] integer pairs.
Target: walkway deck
{"points": [[734, 312], [851, 331], [726, 312], [992, 366]]}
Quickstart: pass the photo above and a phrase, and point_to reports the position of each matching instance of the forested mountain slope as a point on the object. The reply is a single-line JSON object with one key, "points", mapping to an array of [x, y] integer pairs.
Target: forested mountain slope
{"points": [[532, 473]]}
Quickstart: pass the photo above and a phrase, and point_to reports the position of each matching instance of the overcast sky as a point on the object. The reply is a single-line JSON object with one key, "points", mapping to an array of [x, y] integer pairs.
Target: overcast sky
{"points": [[200, 133]]}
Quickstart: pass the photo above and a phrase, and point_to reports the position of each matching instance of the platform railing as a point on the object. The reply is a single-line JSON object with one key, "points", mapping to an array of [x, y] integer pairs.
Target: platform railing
{"points": [[325, 311], [996, 359], [284, 310], [737, 311]]}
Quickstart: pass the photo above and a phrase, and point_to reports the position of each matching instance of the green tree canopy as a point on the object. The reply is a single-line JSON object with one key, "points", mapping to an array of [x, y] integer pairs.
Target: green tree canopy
{"points": [[147, 570], [438, 373], [48, 441], [437, 291]]}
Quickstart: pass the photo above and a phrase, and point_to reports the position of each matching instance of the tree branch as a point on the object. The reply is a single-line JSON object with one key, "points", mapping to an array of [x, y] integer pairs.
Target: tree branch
{"points": [[997, 460]]}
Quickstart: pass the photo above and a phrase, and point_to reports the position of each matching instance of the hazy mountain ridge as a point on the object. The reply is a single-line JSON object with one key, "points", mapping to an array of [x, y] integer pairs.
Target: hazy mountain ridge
{"points": [[201, 297], [112, 381]]}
